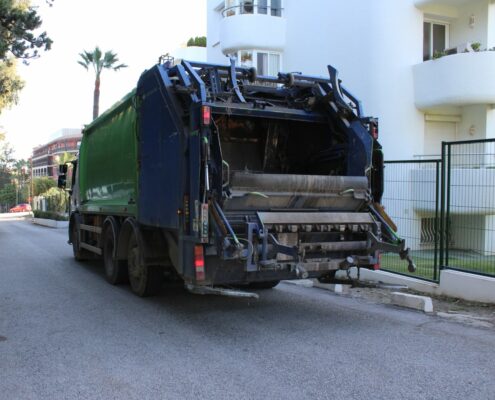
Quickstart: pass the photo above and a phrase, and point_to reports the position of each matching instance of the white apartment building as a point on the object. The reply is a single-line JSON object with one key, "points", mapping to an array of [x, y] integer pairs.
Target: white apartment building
{"points": [[383, 50], [387, 53]]}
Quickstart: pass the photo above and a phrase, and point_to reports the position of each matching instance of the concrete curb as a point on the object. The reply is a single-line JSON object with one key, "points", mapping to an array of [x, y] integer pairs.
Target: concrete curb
{"points": [[422, 303], [336, 288], [51, 223], [456, 284], [7, 216]]}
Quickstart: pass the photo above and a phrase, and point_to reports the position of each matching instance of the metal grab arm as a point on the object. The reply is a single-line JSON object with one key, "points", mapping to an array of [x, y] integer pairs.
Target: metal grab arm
{"points": [[374, 244]]}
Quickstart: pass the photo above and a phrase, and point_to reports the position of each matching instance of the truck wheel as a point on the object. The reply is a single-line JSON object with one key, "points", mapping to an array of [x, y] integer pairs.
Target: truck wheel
{"points": [[115, 270], [79, 254], [263, 285], [145, 280]]}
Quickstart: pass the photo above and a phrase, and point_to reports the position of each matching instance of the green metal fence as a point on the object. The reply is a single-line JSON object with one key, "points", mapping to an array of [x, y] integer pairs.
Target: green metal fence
{"points": [[412, 199], [469, 206], [445, 209]]}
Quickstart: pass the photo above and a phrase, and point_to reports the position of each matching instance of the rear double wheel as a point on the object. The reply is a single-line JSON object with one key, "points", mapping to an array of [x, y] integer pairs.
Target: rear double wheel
{"points": [[145, 280]]}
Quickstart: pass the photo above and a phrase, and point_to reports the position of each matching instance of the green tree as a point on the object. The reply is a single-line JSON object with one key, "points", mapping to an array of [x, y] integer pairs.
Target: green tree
{"points": [[7, 196], [10, 84], [99, 62], [6, 161], [64, 158], [199, 41], [56, 200], [18, 21], [41, 185]]}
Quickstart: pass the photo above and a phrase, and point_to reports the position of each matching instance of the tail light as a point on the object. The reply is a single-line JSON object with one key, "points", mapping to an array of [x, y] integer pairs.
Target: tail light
{"points": [[199, 262], [205, 115]]}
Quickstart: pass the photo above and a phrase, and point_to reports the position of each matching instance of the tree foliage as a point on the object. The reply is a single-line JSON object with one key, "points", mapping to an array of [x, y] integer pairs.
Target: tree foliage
{"points": [[19, 39], [94, 58], [64, 158], [99, 62], [7, 196], [41, 185], [10, 84], [6, 161], [199, 41], [18, 23], [56, 199]]}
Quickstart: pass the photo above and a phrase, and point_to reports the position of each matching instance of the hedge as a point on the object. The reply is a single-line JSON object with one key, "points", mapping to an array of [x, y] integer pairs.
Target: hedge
{"points": [[49, 215]]}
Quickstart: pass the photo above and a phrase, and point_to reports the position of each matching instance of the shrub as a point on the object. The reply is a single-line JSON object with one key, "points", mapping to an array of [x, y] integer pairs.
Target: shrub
{"points": [[49, 215], [56, 200], [476, 46]]}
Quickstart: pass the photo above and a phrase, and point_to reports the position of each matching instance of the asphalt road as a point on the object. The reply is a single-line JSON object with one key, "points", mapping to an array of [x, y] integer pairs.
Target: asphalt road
{"points": [[66, 334]]}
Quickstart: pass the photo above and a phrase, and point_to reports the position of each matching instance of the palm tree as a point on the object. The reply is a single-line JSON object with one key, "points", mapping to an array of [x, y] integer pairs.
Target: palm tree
{"points": [[99, 63]]}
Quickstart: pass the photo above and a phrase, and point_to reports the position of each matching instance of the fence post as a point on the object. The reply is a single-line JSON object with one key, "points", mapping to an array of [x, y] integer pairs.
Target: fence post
{"points": [[437, 200], [447, 215], [442, 207]]}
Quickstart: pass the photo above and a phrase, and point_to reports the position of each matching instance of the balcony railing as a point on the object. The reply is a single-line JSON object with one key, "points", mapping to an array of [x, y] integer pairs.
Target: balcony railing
{"points": [[248, 7]]}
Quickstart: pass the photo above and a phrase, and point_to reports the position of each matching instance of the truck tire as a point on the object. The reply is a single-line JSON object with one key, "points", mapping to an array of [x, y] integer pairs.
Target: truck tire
{"points": [[115, 270], [263, 285], [79, 254], [145, 280]]}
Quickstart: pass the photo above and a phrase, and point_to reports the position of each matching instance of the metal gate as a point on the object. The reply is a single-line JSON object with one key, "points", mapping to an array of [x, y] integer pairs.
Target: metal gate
{"points": [[445, 209]]}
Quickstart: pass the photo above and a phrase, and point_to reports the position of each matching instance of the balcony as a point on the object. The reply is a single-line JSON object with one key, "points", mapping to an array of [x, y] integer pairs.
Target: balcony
{"points": [[455, 80], [453, 3], [252, 28]]}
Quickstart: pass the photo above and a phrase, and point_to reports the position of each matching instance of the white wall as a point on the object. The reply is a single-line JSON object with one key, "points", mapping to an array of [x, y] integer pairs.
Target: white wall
{"points": [[373, 49], [213, 49], [473, 116], [491, 26], [461, 32], [191, 53]]}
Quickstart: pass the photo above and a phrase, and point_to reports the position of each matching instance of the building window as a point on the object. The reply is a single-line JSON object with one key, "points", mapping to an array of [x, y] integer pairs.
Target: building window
{"points": [[435, 38], [266, 7], [266, 63], [247, 7]]}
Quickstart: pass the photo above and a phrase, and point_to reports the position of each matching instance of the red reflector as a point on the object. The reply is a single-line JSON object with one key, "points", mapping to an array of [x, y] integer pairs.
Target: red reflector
{"points": [[379, 259], [199, 262], [374, 131], [205, 115]]}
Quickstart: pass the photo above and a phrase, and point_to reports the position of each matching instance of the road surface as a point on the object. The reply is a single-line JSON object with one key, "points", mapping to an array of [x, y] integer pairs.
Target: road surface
{"points": [[67, 334]]}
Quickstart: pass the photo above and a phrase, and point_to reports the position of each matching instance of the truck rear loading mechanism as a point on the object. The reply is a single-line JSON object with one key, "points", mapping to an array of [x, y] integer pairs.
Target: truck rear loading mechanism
{"points": [[221, 177]]}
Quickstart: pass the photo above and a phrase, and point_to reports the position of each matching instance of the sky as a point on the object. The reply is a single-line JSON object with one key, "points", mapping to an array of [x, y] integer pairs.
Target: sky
{"points": [[58, 92]]}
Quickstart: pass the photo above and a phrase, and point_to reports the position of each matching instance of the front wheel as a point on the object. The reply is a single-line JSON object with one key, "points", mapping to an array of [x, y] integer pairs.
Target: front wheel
{"points": [[145, 280], [115, 270], [79, 254]]}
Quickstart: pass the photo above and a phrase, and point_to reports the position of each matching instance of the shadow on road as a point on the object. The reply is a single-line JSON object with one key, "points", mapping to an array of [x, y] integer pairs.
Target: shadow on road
{"points": [[286, 307]]}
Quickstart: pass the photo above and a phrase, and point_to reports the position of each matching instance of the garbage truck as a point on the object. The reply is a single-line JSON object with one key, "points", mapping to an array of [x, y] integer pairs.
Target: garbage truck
{"points": [[222, 178]]}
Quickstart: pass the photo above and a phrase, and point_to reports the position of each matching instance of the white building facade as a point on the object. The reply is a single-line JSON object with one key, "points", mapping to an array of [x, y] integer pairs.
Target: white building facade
{"points": [[383, 50], [424, 68]]}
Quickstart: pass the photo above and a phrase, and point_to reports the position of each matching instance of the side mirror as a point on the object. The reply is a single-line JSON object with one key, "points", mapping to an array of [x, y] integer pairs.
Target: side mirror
{"points": [[62, 169], [62, 181]]}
